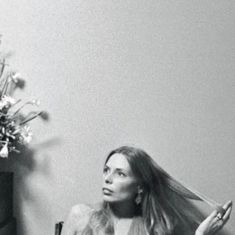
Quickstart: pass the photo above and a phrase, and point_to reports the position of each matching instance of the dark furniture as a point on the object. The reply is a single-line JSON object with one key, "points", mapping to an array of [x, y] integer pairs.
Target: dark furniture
{"points": [[58, 228]]}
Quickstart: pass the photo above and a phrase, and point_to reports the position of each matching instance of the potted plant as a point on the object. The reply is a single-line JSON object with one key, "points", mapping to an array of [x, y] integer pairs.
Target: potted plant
{"points": [[15, 132]]}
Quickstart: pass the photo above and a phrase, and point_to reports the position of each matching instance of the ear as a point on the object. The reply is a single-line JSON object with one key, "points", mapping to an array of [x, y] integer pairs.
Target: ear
{"points": [[139, 189]]}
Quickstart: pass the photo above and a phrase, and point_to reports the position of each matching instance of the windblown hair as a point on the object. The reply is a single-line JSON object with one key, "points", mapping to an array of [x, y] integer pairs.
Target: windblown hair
{"points": [[165, 208]]}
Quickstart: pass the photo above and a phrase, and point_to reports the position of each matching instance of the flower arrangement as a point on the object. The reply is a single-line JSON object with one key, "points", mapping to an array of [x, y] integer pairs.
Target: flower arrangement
{"points": [[14, 125]]}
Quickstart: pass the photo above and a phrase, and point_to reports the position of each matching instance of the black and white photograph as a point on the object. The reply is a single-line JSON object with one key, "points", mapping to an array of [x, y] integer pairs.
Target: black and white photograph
{"points": [[117, 117]]}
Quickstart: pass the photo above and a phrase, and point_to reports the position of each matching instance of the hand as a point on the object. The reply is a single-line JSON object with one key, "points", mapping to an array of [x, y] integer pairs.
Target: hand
{"points": [[215, 221]]}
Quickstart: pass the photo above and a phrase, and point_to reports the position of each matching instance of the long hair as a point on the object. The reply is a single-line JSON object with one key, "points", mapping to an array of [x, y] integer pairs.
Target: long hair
{"points": [[165, 208]]}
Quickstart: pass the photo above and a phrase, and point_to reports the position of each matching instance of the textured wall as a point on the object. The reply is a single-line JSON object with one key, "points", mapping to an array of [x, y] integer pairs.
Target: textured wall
{"points": [[156, 74]]}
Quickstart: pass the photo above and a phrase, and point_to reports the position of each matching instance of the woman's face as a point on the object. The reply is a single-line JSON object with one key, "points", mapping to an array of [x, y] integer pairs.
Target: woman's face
{"points": [[119, 183]]}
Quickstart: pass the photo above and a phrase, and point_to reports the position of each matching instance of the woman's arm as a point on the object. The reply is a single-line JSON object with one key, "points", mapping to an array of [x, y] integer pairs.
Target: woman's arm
{"points": [[214, 222]]}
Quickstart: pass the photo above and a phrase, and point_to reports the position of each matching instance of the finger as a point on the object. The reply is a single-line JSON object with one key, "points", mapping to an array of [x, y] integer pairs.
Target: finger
{"points": [[212, 215], [221, 210], [227, 205], [227, 214]]}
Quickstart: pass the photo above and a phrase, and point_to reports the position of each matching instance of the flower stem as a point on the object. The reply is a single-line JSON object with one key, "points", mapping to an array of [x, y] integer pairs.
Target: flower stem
{"points": [[4, 89], [31, 118], [3, 67], [22, 106]]}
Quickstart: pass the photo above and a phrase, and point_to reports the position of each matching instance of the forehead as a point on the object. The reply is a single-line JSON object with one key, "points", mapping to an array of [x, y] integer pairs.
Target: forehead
{"points": [[118, 160]]}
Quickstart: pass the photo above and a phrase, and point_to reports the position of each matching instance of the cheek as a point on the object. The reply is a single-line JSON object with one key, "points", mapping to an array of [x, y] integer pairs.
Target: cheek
{"points": [[126, 188]]}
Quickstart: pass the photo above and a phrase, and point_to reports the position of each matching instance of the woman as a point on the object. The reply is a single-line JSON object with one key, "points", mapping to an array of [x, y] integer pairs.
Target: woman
{"points": [[140, 198]]}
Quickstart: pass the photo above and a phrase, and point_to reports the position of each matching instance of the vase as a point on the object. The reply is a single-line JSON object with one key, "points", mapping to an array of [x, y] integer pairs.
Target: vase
{"points": [[7, 221]]}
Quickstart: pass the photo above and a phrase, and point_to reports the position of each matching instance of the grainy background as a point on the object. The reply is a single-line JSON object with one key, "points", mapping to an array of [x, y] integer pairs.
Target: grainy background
{"points": [[155, 74]]}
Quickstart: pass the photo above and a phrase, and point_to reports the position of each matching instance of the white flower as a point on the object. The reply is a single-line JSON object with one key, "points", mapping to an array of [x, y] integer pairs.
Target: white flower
{"points": [[4, 151], [6, 101], [26, 135], [35, 102]]}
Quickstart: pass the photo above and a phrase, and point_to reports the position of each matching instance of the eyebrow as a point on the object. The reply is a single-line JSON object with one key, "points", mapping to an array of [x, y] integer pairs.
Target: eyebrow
{"points": [[119, 169]]}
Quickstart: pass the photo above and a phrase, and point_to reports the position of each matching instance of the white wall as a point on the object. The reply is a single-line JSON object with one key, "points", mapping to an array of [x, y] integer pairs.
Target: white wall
{"points": [[156, 74]]}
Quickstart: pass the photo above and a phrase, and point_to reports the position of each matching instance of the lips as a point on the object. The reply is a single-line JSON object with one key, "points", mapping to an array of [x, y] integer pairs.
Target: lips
{"points": [[107, 191]]}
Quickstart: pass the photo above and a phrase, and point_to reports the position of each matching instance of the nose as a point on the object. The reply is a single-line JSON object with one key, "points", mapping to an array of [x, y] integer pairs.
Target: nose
{"points": [[108, 178]]}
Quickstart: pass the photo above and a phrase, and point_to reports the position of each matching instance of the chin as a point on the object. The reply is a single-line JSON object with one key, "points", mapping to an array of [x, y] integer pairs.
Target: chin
{"points": [[111, 199], [108, 198]]}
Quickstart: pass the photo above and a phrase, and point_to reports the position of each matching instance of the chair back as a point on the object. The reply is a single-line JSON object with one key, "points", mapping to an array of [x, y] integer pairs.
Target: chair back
{"points": [[58, 227]]}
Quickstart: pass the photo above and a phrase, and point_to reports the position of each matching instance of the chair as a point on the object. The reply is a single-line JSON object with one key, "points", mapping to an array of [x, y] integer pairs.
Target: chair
{"points": [[58, 227]]}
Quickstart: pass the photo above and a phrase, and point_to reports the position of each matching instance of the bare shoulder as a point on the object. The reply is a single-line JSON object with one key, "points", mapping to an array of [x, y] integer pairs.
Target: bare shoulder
{"points": [[77, 220], [97, 206], [81, 210]]}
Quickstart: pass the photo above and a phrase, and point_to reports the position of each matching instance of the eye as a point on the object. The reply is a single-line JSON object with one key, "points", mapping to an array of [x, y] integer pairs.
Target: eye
{"points": [[106, 169], [121, 174]]}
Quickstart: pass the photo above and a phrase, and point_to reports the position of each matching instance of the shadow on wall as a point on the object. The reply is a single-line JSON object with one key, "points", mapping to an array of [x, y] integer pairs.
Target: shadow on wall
{"points": [[24, 165]]}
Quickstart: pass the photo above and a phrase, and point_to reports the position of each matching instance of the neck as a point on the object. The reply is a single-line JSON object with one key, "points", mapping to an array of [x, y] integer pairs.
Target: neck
{"points": [[119, 210]]}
